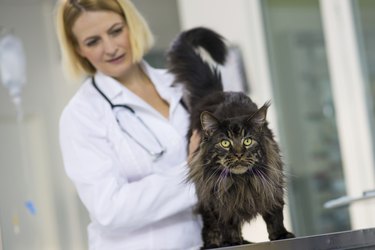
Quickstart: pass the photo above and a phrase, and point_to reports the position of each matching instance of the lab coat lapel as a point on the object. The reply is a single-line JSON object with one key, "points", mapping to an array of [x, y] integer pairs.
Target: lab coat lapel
{"points": [[163, 82], [119, 94]]}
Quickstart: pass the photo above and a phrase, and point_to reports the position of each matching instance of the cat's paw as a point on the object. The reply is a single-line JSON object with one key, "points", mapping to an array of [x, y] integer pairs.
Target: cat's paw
{"points": [[242, 242], [282, 236], [226, 244], [209, 246]]}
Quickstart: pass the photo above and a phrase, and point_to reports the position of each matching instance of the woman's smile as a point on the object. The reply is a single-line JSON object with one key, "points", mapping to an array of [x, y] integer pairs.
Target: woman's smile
{"points": [[117, 60]]}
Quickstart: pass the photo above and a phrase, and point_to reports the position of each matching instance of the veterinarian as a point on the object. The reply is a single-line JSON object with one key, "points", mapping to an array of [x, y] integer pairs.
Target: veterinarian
{"points": [[123, 134]]}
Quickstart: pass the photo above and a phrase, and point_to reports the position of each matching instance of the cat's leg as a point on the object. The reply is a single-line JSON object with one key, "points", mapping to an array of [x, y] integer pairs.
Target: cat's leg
{"points": [[275, 225], [211, 231], [219, 234], [232, 233]]}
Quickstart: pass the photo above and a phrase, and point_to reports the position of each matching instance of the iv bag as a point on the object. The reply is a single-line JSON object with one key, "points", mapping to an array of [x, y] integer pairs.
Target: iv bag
{"points": [[12, 66]]}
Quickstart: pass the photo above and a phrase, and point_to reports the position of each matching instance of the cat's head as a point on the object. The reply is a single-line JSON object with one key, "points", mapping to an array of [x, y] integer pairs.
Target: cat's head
{"points": [[234, 145]]}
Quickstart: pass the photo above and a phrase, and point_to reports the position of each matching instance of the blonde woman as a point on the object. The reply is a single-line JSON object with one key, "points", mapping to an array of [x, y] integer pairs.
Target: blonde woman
{"points": [[123, 133]]}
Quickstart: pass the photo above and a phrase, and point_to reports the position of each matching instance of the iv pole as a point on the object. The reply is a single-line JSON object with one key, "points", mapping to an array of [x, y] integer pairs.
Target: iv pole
{"points": [[13, 77]]}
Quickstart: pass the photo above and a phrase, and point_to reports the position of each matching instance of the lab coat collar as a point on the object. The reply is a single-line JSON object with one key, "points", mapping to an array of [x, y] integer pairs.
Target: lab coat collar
{"points": [[119, 94], [108, 85], [163, 83]]}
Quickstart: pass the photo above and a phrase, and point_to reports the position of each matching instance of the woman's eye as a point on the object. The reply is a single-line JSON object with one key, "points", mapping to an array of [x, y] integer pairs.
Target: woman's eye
{"points": [[225, 143], [92, 43], [117, 31], [247, 142]]}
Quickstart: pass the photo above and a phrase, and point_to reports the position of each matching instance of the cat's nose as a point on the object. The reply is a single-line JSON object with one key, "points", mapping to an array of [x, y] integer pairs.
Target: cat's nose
{"points": [[239, 155]]}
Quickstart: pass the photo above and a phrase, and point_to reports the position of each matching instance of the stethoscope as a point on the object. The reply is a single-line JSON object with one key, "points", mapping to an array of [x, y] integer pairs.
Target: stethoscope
{"points": [[155, 154]]}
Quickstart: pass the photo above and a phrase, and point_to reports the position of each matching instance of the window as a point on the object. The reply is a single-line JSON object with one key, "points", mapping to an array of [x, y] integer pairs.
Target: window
{"points": [[306, 115]]}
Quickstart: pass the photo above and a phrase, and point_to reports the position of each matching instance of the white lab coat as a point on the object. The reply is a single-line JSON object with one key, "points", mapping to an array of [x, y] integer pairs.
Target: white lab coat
{"points": [[133, 202]]}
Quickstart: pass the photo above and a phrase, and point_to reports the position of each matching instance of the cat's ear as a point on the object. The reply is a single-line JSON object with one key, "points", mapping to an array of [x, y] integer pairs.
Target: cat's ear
{"points": [[260, 117], [209, 122]]}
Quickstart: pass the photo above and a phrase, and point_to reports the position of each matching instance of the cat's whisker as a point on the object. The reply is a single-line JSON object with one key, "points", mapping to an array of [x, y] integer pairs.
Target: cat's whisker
{"points": [[213, 175], [218, 189], [262, 178], [279, 171], [223, 174], [257, 187], [271, 169], [267, 180], [267, 166], [269, 185], [250, 170], [289, 174], [217, 171]]}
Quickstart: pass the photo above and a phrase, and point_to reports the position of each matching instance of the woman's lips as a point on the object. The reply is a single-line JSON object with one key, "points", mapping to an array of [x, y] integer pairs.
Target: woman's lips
{"points": [[117, 60]]}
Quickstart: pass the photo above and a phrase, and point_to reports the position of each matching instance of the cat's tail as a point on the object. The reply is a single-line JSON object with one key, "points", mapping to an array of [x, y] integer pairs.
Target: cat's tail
{"points": [[187, 62]]}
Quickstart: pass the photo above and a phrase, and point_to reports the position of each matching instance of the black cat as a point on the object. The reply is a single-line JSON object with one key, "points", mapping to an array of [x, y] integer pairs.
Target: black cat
{"points": [[237, 169]]}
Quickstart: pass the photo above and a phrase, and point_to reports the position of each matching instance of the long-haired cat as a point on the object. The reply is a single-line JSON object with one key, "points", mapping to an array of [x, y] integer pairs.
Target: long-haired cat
{"points": [[237, 168]]}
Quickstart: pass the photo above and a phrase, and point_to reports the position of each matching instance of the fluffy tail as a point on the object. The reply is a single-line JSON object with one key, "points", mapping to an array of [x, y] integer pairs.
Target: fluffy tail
{"points": [[188, 66]]}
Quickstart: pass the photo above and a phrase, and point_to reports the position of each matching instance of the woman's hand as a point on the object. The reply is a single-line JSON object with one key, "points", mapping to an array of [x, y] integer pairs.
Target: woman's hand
{"points": [[194, 142]]}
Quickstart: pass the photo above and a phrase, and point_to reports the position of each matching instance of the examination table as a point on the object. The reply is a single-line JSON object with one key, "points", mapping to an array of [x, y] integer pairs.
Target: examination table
{"points": [[363, 239]]}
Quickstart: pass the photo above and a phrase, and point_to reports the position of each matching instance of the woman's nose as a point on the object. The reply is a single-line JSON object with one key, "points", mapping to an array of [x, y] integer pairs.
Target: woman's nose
{"points": [[110, 47]]}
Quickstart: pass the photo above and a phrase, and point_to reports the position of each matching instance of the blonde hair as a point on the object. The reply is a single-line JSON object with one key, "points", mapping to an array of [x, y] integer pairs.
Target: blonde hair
{"points": [[68, 11]]}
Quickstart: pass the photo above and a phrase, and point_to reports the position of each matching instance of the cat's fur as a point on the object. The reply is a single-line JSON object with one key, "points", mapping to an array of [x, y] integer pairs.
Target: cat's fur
{"points": [[237, 168]]}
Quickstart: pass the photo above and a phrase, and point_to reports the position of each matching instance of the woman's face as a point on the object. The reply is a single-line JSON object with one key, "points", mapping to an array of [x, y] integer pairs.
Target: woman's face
{"points": [[103, 39]]}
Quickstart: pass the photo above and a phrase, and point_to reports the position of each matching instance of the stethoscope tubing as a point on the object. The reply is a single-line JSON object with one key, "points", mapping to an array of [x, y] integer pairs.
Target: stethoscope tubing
{"points": [[113, 106]]}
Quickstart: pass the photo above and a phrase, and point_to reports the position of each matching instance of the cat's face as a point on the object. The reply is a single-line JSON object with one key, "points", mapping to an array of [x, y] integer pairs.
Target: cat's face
{"points": [[237, 152], [234, 144], [235, 148]]}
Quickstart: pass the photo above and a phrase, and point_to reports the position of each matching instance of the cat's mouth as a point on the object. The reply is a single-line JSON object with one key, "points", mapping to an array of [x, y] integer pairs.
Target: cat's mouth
{"points": [[239, 169]]}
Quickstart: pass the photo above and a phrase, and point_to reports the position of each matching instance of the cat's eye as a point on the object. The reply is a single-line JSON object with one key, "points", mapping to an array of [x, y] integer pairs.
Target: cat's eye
{"points": [[247, 142], [225, 143]]}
